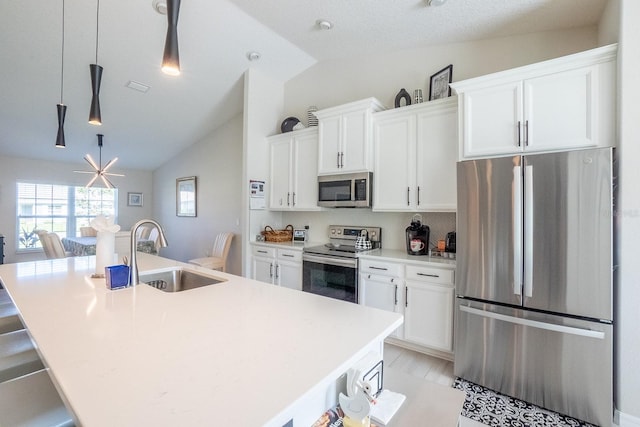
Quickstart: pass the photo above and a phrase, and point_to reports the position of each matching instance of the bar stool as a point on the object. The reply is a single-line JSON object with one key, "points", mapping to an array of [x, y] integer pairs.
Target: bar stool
{"points": [[32, 400], [18, 356]]}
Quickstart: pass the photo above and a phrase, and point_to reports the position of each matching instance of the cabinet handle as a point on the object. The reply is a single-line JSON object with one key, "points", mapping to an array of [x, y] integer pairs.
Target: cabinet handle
{"points": [[392, 279], [408, 202], [519, 139], [288, 255], [294, 199], [406, 297], [338, 159], [262, 252], [369, 276], [341, 159], [288, 194], [395, 296], [373, 267], [277, 271], [428, 275], [526, 133], [418, 195], [271, 270]]}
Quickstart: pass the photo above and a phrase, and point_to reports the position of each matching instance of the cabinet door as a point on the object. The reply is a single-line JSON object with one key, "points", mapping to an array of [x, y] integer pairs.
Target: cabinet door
{"points": [[561, 110], [381, 292], [305, 175], [395, 163], [428, 315], [355, 149], [492, 120], [280, 174], [262, 269], [289, 274], [329, 139], [437, 153]]}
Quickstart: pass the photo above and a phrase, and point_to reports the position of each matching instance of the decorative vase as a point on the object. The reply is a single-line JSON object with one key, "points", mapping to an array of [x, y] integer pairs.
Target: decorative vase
{"points": [[105, 250], [312, 120], [403, 94]]}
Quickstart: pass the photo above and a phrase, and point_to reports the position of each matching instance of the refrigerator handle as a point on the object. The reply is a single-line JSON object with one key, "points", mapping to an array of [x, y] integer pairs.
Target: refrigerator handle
{"points": [[528, 231], [517, 229], [534, 323]]}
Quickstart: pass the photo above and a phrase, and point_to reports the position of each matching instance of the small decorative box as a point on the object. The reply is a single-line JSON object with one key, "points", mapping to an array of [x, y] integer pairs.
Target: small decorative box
{"points": [[117, 276]]}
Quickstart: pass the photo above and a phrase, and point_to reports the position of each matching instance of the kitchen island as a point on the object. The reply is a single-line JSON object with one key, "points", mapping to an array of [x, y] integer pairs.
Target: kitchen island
{"points": [[239, 353]]}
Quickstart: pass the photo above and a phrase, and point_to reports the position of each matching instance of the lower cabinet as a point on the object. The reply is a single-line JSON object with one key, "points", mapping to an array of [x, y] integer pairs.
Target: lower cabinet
{"points": [[277, 266], [423, 294]]}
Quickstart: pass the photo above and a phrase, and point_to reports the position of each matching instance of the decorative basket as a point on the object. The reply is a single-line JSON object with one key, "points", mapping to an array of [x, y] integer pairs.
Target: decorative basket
{"points": [[271, 235]]}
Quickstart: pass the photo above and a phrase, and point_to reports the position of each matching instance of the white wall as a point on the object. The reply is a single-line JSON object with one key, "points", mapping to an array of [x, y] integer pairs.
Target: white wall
{"points": [[331, 83], [216, 162], [13, 169], [628, 219]]}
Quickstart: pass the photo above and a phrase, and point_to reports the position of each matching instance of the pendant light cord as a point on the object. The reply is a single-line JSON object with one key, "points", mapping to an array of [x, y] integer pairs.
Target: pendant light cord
{"points": [[97, 24], [62, 59]]}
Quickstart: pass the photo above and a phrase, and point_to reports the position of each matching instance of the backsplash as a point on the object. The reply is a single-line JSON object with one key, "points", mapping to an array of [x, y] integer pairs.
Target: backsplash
{"points": [[393, 224]]}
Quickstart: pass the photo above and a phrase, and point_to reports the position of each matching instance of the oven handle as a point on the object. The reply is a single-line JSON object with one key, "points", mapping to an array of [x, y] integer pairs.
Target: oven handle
{"points": [[330, 261]]}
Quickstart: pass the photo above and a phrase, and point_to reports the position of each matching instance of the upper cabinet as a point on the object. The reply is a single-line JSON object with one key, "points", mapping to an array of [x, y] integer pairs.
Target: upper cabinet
{"points": [[344, 137], [415, 150], [293, 183], [560, 104]]}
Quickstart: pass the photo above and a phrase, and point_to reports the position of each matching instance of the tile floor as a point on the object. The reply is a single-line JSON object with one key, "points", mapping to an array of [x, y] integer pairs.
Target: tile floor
{"points": [[424, 366]]}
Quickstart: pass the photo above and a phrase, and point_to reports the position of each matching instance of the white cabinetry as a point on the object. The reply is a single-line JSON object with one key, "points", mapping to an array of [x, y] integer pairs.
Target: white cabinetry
{"points": [[277, 266], [415, 157], [560, 104], [344, 134], [293, 170], [429, 300], [381, 286], [423, 293]]}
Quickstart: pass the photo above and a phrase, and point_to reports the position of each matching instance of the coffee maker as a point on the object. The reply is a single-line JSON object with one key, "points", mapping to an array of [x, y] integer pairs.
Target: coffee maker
{"points": [[417, 237]]}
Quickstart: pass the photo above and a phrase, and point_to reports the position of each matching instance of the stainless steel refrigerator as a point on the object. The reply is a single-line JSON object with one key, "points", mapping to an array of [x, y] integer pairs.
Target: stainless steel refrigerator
{"points": [[534, 279]]}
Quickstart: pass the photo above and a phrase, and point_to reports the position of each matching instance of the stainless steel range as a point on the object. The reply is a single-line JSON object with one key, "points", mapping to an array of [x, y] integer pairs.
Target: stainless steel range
{"points": [[332, 269]]}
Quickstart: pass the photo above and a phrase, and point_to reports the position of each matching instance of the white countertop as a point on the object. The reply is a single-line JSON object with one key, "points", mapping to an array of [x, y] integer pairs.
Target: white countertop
{"points": [[239, 353], [398, 255]]}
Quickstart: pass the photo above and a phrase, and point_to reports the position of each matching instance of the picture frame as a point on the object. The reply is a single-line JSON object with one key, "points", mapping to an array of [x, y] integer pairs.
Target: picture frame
{"points": [[186, 196], [135, 199], [439, 83]]}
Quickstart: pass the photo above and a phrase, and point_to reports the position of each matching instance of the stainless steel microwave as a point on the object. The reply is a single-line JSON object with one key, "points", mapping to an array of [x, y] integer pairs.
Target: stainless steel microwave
{"points": [[345, 190]]}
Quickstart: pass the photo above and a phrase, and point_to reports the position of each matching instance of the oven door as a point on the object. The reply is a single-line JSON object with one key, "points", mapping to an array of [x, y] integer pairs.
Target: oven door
{"points": [[330, 277]]}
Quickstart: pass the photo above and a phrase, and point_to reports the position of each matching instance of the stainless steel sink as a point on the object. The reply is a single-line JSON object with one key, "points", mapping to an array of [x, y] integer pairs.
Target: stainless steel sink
{"points": [[178, 280]]}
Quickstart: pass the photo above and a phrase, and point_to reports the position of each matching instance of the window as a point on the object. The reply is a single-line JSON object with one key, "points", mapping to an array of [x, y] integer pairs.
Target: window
{"points": [[60, 209]]}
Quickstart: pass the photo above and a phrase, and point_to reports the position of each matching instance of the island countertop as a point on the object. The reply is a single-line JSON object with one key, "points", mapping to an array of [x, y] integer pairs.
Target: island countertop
{"points": [[239, 353]]}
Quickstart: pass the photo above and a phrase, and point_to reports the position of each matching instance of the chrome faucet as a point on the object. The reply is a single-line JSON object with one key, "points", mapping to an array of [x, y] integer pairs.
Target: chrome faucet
{"points": [[133, 265]]}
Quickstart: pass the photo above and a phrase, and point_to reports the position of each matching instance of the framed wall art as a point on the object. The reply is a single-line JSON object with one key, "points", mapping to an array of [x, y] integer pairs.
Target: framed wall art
{"points": [[134, 199], [439, 83], [186, 202]]}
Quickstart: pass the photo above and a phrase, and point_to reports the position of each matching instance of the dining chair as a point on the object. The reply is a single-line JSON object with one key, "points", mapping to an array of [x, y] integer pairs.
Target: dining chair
{"points": [[44, 241], [88, 232], [218, 258], [56, 247]]}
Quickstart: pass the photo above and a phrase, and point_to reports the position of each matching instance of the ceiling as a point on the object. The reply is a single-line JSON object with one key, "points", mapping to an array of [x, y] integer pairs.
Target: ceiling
{"points": [[146, 129]]}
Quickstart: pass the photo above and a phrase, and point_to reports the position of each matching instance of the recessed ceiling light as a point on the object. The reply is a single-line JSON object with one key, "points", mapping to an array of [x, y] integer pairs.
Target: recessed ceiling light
{"points": [[435, 2], [160, 6], [140, 87], [323, 24], [253, 56]]}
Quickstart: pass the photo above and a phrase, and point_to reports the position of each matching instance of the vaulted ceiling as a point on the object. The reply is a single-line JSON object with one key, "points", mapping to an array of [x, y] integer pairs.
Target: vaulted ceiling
{"points": [[146, 129]]}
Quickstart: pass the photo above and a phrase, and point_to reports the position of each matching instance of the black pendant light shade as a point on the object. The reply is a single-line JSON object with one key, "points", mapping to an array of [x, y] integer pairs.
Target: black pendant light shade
{"points": [[171, 57], [95, 118], [62, 111]]}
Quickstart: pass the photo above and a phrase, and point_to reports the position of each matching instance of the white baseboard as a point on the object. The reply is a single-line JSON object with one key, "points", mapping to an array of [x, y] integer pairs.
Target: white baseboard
{"points": [[625, 420]]}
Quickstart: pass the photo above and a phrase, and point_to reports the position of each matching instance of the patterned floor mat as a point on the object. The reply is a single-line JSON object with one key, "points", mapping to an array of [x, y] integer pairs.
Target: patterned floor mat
{"points": [[494, 409]]}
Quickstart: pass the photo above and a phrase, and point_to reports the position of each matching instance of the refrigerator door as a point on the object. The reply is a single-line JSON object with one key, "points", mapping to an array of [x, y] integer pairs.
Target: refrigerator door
{"points": [[489, 230], [568, 232], [559, 363]]}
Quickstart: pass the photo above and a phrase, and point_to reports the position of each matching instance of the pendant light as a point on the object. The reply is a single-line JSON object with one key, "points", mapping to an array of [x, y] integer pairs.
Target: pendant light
{"points": [[95, 118], [98, 170], [171, 57], [62, 109]]}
